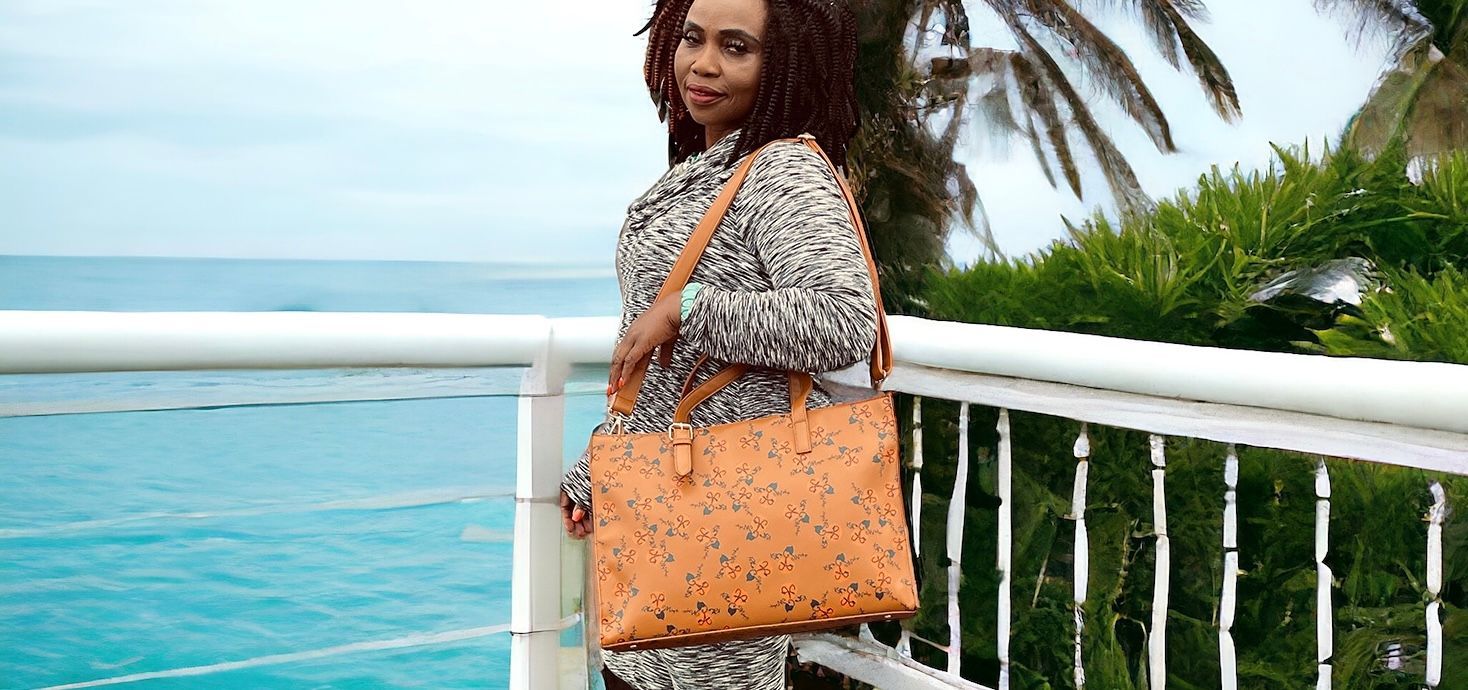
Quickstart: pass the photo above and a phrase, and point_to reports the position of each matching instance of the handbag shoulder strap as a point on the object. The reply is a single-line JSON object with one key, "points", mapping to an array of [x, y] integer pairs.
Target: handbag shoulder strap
{"points": [[881, 359]]}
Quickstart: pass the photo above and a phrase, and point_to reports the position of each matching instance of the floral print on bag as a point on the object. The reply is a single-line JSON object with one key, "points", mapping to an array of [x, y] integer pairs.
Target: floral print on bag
{"points": [[758, 534]]}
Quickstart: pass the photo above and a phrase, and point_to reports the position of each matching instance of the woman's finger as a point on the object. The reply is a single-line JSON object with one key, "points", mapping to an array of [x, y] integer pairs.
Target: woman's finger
{"points": [[635, 354], [618, 353], [619, 366]]}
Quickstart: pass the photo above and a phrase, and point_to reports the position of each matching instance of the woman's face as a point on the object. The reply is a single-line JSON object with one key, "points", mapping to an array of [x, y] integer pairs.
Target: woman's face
{"points": [[718, 61]]}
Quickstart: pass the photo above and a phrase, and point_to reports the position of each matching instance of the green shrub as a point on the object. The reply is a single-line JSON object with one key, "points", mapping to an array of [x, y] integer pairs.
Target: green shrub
{"points": [[1186, 273]]}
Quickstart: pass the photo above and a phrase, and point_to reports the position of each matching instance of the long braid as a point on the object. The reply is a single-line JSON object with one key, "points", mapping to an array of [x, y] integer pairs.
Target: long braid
{"points": [[807, 80]]}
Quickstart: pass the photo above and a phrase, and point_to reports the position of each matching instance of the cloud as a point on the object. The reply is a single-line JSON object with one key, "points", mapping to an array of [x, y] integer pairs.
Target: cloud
{"points": [[462, 129], [217, 128]]}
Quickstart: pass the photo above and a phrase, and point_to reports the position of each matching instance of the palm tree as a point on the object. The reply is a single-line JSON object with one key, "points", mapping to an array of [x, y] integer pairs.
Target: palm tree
{"points": [[916, 96], [1422, 98]]}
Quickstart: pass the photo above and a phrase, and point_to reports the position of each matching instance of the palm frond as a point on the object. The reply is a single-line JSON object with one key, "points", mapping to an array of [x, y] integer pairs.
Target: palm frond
{"points": [[1039, 100], [1398, 19], [1167, 22], [1114, 167], [1032, 136], [1105, 61], [1217, 85]]}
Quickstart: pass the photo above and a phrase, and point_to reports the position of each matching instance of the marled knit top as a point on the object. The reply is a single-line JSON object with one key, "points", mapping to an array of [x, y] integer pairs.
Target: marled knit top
{"points": [[784, 285]]}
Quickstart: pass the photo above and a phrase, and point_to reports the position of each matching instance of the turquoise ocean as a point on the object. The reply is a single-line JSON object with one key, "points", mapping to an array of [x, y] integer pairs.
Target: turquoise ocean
{"points": [[328, 545]]}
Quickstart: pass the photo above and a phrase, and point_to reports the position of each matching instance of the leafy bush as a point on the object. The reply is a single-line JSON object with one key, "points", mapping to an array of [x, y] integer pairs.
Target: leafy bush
{"points": [[1190, 272]]}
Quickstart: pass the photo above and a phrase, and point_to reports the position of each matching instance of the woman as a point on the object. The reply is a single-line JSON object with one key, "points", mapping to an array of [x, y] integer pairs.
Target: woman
{"points": [[783, 284]]}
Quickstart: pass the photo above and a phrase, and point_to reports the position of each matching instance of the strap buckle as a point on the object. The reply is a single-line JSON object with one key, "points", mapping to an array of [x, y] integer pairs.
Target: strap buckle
{"points": [[682, 450]]}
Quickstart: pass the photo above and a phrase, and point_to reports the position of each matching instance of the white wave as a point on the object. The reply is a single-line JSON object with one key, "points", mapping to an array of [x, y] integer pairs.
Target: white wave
{"points": [[414, 499], [484, 535], [410, 640]]}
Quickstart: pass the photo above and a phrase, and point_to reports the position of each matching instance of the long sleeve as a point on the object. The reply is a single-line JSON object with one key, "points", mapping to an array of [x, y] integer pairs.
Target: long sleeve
{"points": [[577, 482], [820, 314]]}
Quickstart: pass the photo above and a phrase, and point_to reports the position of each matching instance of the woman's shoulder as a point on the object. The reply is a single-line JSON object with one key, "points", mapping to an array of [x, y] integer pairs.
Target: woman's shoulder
{"points": [[788, 156], [789, 166]]}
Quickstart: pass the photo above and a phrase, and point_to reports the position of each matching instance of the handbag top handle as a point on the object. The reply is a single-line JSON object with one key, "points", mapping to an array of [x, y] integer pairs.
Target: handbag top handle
{"points": [[881, 360]]}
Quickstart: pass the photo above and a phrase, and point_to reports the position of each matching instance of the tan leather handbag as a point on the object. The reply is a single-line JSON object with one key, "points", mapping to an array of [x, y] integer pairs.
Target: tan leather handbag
{"points": [[784, 523]]}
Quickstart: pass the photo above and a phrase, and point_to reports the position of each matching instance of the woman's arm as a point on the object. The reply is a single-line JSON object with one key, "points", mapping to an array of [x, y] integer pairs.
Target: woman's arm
{"points": [[820, 314], [577, 482]]}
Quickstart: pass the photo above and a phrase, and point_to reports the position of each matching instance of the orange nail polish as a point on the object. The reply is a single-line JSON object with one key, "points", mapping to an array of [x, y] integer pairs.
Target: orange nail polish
{"points": [[620, 383]]}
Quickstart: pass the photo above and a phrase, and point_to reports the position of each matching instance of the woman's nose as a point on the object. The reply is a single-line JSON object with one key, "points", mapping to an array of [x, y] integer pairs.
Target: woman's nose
{"points": [[706, 63]]}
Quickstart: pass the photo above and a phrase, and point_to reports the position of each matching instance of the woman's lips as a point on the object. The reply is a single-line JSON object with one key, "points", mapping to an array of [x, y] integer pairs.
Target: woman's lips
{"points": [[701, 97]]}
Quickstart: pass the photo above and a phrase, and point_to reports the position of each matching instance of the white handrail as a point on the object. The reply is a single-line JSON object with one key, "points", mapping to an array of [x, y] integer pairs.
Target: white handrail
{"points": [[1357, 388], [1387, 391]]}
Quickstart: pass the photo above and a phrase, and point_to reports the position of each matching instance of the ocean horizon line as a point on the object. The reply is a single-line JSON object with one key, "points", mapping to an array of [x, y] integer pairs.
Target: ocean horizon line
{"points": [[521, 263]]}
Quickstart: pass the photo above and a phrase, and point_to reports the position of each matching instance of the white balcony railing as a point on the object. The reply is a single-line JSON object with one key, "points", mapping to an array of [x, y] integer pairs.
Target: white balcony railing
{"points": [[1399, 413]]}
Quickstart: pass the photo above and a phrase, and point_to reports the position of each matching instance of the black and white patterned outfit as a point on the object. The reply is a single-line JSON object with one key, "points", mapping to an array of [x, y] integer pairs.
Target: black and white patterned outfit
{"points": [[785, 287]]}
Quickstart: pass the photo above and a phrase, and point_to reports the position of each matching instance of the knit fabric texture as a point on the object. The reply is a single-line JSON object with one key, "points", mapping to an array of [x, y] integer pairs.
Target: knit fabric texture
{"points": [[782, 285]]}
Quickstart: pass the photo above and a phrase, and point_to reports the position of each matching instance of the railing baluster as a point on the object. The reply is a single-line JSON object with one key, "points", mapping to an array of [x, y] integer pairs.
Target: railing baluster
{"points": [[917, 472], [1082, 556], [1004, 547], [956, 507], [1157, 637], [1434, 584], [1324, 611], [1228, 665], [904, 643]]}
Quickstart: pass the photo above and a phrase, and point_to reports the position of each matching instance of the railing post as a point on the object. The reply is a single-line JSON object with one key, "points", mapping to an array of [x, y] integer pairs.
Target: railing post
{"points": [[1006, 510], [1082, 575], [1324, 611], [1435, 515], [536, 578], [1227, 662], [1157, 636], [957, 505], [915, 507]]}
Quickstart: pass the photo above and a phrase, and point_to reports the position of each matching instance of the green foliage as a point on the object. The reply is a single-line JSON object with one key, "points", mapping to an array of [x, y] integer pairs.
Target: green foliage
{"points": [[1420, 319], [1188, 273]]}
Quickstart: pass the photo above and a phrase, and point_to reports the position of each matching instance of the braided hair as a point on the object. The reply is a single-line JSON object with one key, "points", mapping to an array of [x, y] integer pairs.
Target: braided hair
{"points": [[806, 82]]}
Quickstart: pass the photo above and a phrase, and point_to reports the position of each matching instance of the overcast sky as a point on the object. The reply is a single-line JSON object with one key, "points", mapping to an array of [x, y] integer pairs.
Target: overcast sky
{"points": [[485, 131]]}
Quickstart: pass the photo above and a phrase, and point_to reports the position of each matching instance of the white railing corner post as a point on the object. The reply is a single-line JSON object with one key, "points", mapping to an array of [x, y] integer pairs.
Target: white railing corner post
{"points": [[535, 614]]}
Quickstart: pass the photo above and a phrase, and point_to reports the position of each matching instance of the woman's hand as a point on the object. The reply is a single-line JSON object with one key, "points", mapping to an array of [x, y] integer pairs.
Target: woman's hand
{"points": [[575, 518], [658, 326]]}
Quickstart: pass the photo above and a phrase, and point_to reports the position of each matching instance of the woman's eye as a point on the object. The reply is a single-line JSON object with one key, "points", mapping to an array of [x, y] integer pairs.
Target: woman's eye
{"points": [[736, 47], [690, 38]]}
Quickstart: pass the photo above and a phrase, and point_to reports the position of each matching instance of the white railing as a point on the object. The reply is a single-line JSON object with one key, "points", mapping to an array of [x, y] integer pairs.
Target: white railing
{"points": [[1408, 414], [1364, 409], [54, 342]]}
